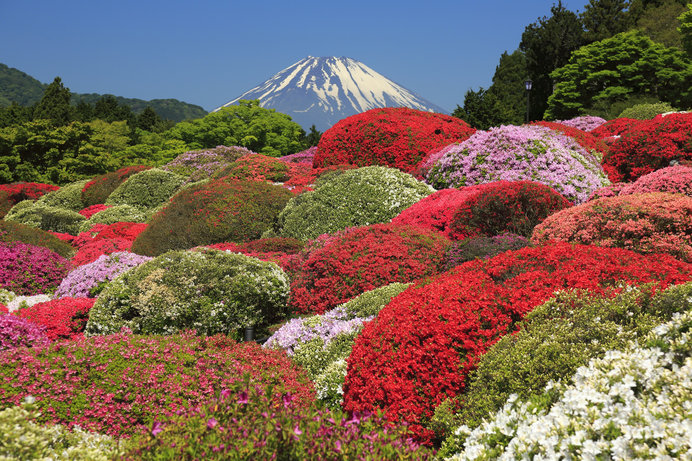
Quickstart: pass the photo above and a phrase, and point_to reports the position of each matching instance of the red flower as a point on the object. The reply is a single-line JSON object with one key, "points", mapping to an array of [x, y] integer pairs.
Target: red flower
{"points": [[64, 318]]}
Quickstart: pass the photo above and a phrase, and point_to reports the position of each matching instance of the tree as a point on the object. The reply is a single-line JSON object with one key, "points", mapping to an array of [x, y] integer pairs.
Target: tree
{"points": [[14, 114], [628, 64], [55, 104], [548, 44], [261, 130], [661, 23], [604, 18], [313, 138], [109, 110], [149, 120], [480, 109], [685, 30]]}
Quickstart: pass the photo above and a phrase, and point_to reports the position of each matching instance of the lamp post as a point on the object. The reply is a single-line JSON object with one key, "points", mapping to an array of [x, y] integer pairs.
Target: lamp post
{"points": [[528, 83]]}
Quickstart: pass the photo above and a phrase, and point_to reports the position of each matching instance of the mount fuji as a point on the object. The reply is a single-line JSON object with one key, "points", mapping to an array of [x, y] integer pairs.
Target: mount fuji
{"points": [[322, 91]]}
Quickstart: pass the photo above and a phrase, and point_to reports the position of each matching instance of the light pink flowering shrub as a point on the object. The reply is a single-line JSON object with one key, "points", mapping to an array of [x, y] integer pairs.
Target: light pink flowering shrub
{"points": [[584, 122], [673, 179]]}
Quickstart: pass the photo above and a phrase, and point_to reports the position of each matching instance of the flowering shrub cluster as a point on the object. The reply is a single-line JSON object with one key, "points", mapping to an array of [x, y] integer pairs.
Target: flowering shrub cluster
{"points": [[350, 198], [483, 247], [648, 146], [505, 206], [646, 223], [16, 232], [255, 167], [88, 280], [515, 153], [630, 404], [94, 249], [394, 137], [215, 212], [210, 291], [587, 140], [97, 190], [608, 191], [147, 189], [28, 269], [18, 332], [306, 156], [673, 180], [584, 122], [22, 438], [248, 424], [303, 177], [120, 384], [360, 259], [202, 164], [280, 250], [68, 197], [17, 303], [63, 318], [103, 239], [11, 194], [423, 344], [615, 127], [48, 218], [115, 214], [90, 211]]}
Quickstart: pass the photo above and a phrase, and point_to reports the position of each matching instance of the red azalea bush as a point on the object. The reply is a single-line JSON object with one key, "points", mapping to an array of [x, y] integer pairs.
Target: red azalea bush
{"points": [[505, 206], [120, 384], [256, 167], [119, 230], [280, 250], [63, 318], [29, 269], [650, 145], [586, 140], [395, 137], [673, 180], [91, 251], [16, 192], [98, 189], [90, 211], [3, 309], [18, 332], [646, 223], [615, 127], [421, 347], [303, 177], [360, 259]]}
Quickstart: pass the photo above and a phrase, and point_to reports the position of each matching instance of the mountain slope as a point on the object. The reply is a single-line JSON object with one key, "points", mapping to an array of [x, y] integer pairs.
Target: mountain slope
{"points": [[322, 91]]}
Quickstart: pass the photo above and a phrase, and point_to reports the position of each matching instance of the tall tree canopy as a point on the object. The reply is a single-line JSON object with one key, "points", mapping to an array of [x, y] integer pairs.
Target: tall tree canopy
{"points": [[686, 29], [604, 18], [619, 67], [55, 104]]}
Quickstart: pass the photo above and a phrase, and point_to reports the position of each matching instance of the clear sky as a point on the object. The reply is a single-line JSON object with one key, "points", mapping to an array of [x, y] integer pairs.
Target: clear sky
{"points": [[209, 52]]}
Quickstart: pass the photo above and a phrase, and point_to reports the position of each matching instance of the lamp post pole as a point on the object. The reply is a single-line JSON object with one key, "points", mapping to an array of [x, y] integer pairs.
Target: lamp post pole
{"points": [[528, 83]]}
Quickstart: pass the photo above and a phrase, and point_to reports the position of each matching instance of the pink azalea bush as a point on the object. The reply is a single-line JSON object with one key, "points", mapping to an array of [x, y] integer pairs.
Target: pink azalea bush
{"points": [[646, 223], [514, 153], [18, 332], [673, 179], [306, 156], [583, 122], [29, 269]]}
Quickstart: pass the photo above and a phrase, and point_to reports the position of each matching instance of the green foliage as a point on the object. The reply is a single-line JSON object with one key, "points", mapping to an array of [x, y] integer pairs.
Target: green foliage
{"points": [[48, 218], [604, 18], [168, 109], [661, 23], [371, 302], [359, 197], [147, 189], [686, 30], [21, 437], [18, 87], [114, 214], [231, 292], [68, 197], [554, 340], [12, 232], [646, 111], [98, 189], [264, 131], [627, 64], [55, 104]]}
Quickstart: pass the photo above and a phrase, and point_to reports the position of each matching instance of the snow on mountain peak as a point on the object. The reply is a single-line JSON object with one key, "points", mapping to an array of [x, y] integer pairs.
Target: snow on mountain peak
{"points": [[322, 90]]}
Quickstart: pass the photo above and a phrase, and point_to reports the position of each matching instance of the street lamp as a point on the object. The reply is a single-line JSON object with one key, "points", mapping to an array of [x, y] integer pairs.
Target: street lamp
{"points": [[528, 83]]}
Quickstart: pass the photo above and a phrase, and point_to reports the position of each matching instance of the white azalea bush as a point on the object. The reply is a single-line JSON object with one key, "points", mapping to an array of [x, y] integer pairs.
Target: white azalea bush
{"points": [[206, 290], [359, 197], [632, 404]]}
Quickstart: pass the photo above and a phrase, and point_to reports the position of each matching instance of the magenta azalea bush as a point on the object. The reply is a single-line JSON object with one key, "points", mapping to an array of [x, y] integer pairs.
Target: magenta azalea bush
{"points": [[18, 332], [584, 122], [306, 156], [515, 153], [673, 180], [29, 269], [88, 280]]}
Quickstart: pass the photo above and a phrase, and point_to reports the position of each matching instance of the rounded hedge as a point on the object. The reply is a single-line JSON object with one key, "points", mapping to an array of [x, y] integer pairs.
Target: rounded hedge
{"points": [[255, 167], [646, 111], [68, 196], [515, 153], [421, 347], [673, 180], [98, 189], [15, 232], [584, 122], [360, 259], [19, 332], [27, 269], [395, 137], [350, 198], [483, 247], [114, 214], [63, 318], [214, 212], [208, 290], [48, 218], [646, 223], [147, 189]]}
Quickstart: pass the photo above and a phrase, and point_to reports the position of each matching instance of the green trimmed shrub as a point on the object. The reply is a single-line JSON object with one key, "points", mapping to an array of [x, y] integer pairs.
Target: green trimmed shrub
{"points": [[114, 214], [210, 291], [350, 198], [21, 437], [11, 231], [48, 218], [646, 111], [556, 339], [371, 302], [68, 196], [214, 212], [146, 189], [98, 189], [19, 209]]}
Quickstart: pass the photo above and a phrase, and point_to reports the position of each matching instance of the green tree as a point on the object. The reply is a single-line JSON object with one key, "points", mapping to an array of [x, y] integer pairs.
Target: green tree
{"points": [[55, 104], [548, 44], [628, 64], [661, 23], [685, 29], [14, 114], [109, 110], [480, 109], [149, 120], [261, 130], [604, 18], [313, 137]]}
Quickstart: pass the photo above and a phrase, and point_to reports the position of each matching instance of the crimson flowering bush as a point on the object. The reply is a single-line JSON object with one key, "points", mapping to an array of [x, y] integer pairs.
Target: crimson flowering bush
{"points": [[255, 167], [63, 318], [646, 223], [90, 211], [421, 347], [283, 251], [673, 180], [96, 248], [650, 145], [584, 122], [29, 269], [18, 332], [98, 189], [394, 137], [304, 177], [615, 127], [586, 140], [121, 384], [360, 259], [306, 156], [11, 194]]}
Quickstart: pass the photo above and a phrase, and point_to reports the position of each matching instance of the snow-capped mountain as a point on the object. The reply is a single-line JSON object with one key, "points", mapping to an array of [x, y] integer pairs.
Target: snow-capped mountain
{"points": [[322, 91]]}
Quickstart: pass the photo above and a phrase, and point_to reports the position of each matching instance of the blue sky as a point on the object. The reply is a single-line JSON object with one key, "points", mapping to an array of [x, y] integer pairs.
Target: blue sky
{"points": [[209, 52]]}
